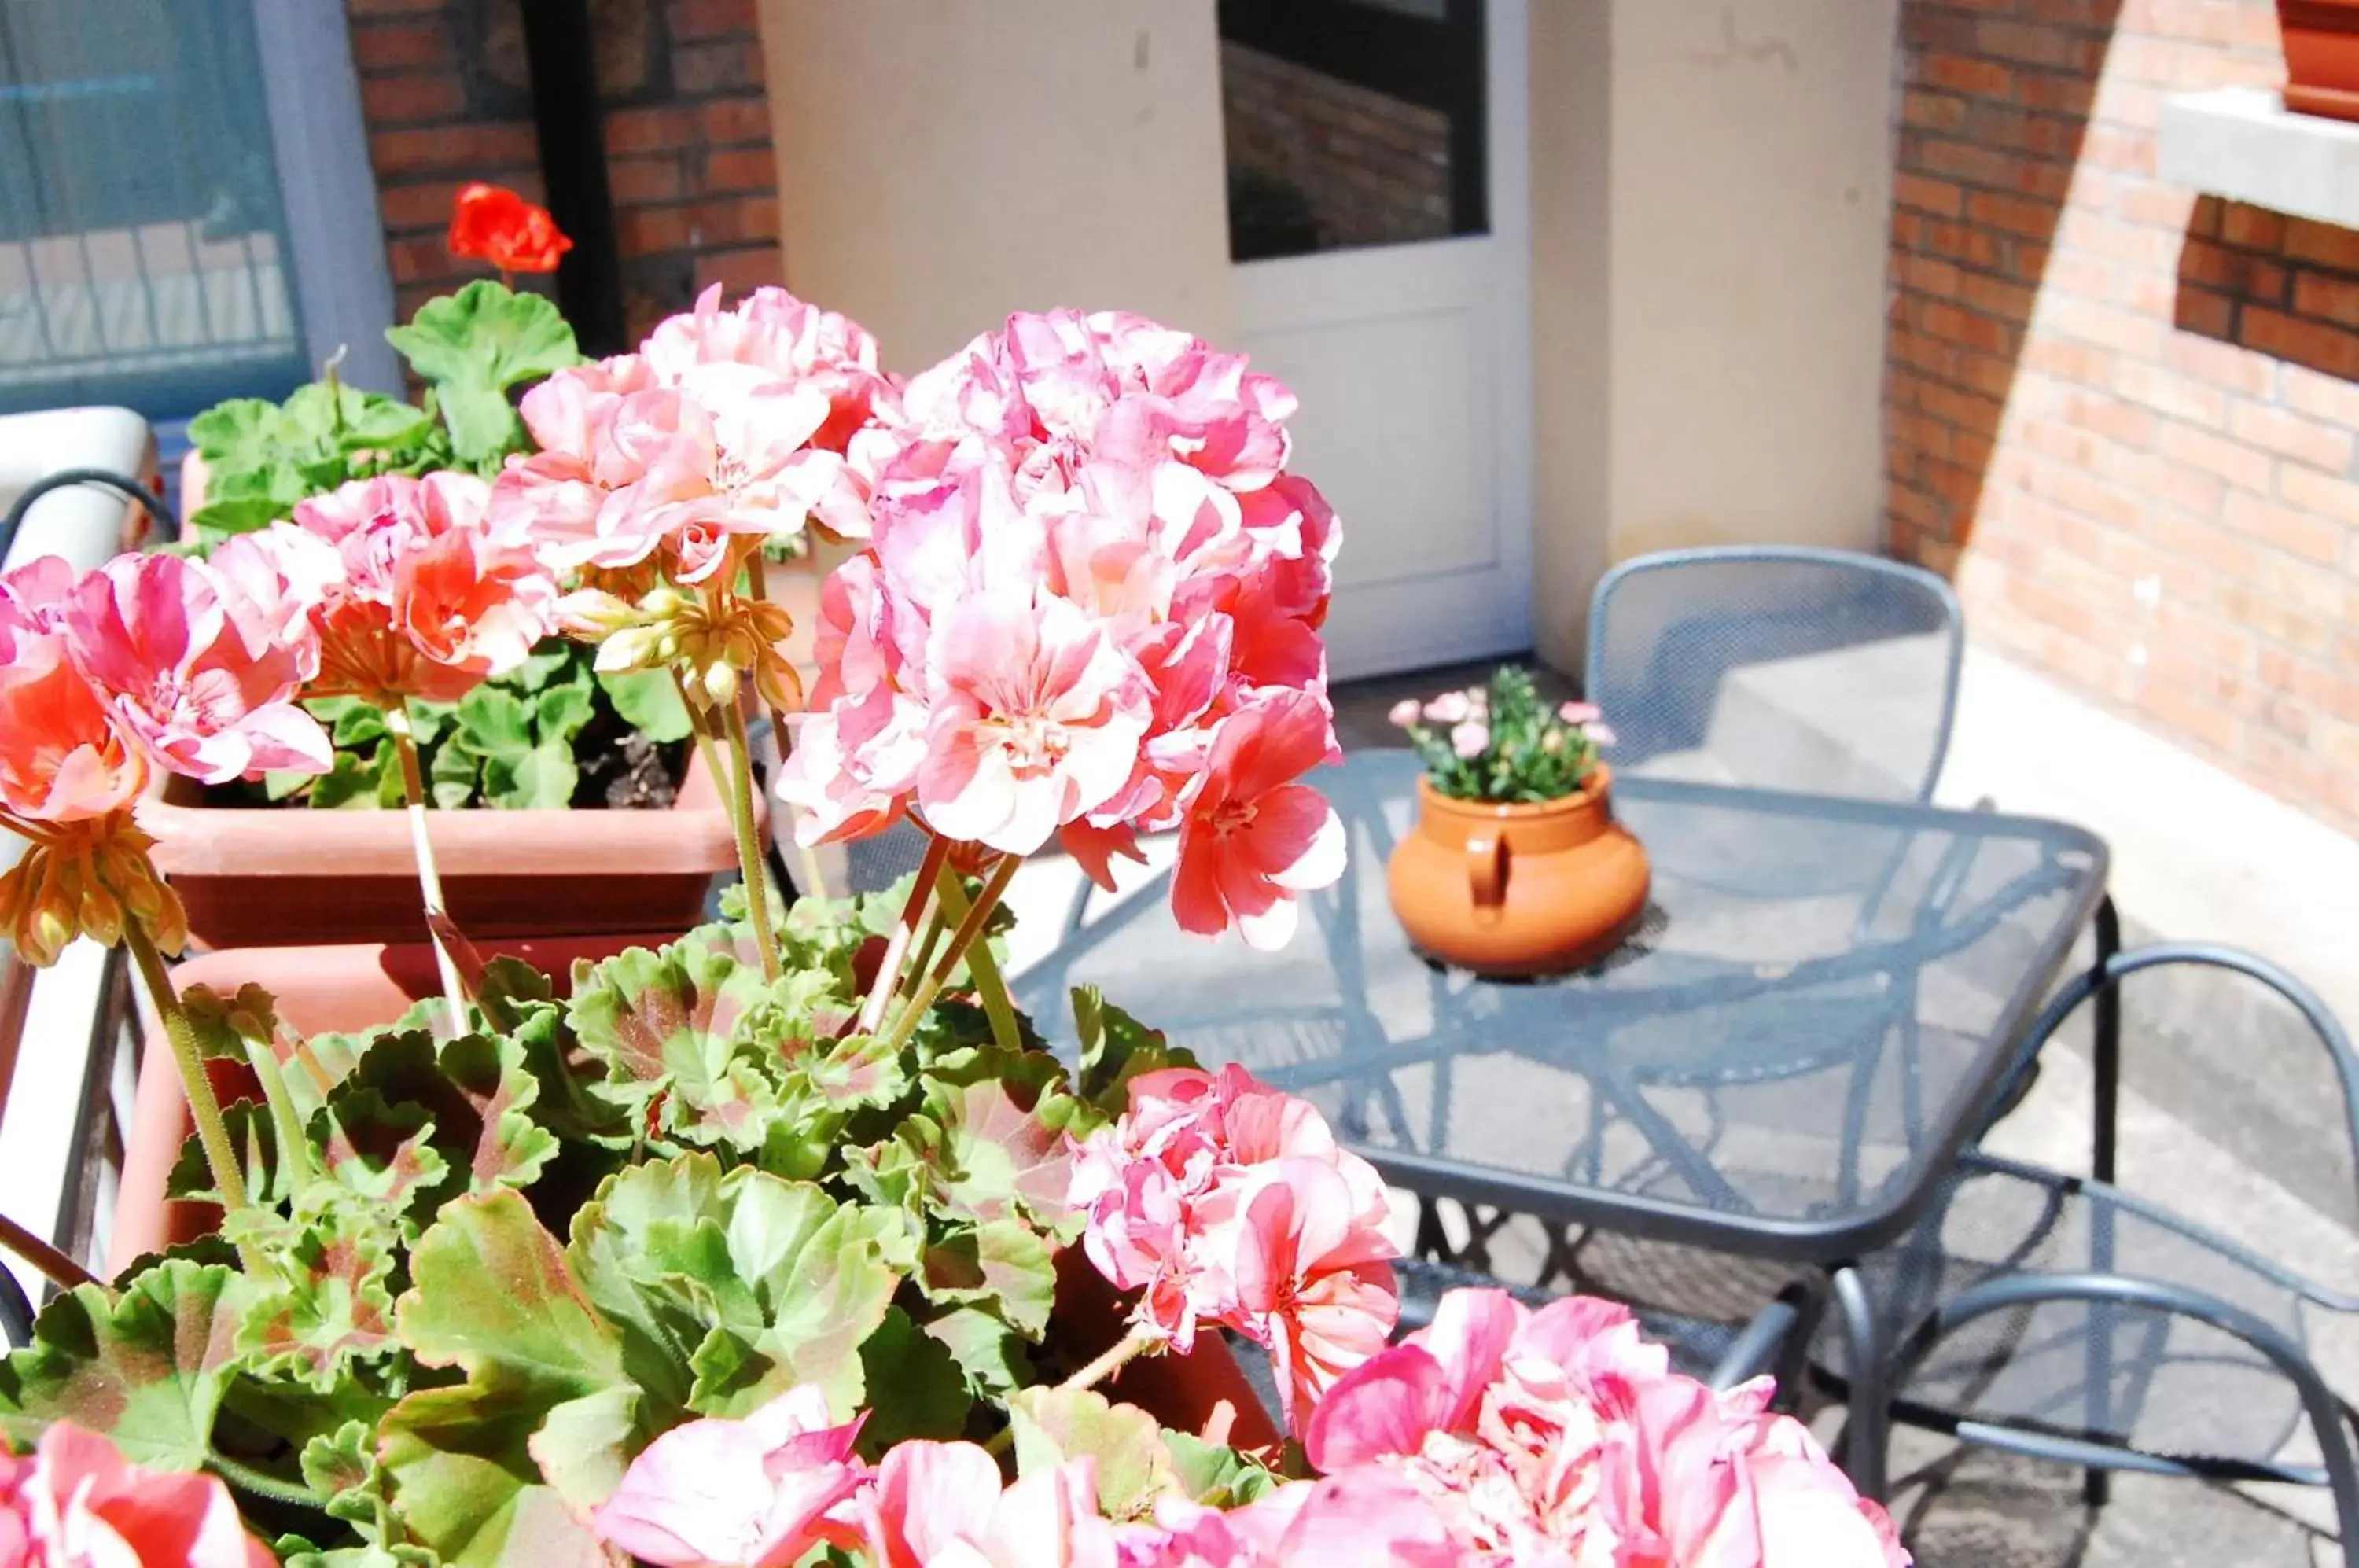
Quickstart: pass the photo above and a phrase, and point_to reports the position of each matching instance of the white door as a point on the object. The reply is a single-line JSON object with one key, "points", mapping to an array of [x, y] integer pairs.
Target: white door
{"points": [[1378, 177]]}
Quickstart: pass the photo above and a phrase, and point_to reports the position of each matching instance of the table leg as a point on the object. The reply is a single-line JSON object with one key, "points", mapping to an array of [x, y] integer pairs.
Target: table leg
{"points": [[1868, 1432]]}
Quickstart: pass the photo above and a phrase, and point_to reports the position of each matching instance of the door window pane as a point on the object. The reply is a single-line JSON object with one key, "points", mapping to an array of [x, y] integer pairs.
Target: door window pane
{"points": [[1351, 122], [142, 246]]}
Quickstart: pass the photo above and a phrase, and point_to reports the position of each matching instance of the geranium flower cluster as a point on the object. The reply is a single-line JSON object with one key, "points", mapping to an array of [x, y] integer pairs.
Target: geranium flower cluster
{"points": [[765, 1491], [724, 428], [411, 588], [148, 662], [1089, 608], [1226, 1202], [75, 1500], [1561, 1436]]}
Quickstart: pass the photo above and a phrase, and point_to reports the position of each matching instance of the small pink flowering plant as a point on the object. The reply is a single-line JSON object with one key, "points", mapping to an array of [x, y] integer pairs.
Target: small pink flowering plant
{"points": [[1499, 742], [787, 1242]]}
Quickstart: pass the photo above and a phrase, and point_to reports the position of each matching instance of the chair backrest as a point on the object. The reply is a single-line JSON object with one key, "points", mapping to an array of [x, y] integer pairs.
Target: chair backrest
{"points": [[1783, 667]]}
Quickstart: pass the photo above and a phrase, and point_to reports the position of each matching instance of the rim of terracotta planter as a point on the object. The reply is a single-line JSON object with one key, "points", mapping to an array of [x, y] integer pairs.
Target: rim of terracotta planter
{"points": [[1560, 823], [195, 840]]}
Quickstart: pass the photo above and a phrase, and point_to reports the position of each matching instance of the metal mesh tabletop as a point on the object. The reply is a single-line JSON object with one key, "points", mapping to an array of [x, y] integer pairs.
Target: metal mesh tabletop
{"points": [[1812, 1017]]}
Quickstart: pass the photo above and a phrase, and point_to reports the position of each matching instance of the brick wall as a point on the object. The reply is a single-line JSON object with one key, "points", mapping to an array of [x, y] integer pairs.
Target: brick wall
{"points": [[447, 98], [1370, 169], [2123, 414]]}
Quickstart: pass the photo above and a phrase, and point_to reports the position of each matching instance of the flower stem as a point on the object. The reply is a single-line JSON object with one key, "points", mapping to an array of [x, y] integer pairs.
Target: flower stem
{"points": [[887, 983], [938, 926], [1115, 1359], [749, 838], [213, 1133], [429, 880], [961, 940], [806, 861], [254, 1483], [699, 722], [989, 984], [53, 1264]]}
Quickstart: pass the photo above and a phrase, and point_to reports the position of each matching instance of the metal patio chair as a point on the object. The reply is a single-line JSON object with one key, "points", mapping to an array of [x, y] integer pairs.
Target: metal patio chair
{"points": [[1824, 671], [2062, 1317]]}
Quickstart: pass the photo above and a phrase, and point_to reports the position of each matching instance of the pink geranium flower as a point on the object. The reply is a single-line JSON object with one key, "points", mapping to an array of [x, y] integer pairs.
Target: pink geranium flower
{"points": [[1038, 720], [76, 1501], [63, 755], [1562, 1435], [1224, 1201], [1366, 1517], [756, 1493], [426, 597], [942, 1505], [202, 678], [1252, 838], [1311, 1280]]}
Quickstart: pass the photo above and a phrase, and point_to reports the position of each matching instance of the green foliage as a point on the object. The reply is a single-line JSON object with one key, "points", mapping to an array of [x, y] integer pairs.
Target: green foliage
{"points": [[1135, 1468], [511, 742], [492, 1267], [262, 458], [471, 347], [144, 1365], [1529, 751]]}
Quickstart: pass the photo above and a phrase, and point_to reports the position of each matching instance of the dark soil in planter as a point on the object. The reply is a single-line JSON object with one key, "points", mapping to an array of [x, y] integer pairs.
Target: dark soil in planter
{"points": [[623, 770]]}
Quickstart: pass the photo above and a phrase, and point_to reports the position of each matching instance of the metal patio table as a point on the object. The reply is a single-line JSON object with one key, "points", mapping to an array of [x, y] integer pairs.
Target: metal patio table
{"points": [[1818, 1010]]}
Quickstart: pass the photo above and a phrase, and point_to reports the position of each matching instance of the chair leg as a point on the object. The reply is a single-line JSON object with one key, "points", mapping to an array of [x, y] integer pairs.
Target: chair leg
{"points": [[1867, 1431], [2105, 1055]]}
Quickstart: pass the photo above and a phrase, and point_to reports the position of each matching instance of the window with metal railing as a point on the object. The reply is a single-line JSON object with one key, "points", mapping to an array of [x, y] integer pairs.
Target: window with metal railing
{"points": [[143, 254]]}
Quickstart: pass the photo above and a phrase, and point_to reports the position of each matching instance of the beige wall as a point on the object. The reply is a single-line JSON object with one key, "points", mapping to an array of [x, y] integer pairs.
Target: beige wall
{"points": [[1711, 194], [943, 162]]}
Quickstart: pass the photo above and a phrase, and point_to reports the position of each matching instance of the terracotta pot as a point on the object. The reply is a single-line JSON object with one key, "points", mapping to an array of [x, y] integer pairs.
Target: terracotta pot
{"points": [[252, 877], [1518, 890], [2322, 50], [1186, 1393], [320, 990]]}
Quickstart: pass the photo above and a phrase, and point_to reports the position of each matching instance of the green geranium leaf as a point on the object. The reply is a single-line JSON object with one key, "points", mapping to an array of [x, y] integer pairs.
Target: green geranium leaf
{"points": [[648, 701], [540, 780], [330, 1308], [454, 777], [252, 1134], [350, 782], [1004, 1267], [242, 432], [341, 1467], [990, 1355], [234, 515], [475, 344], [472, 1095], [427, 720], [380, 1149], [928, 1392], [1215, 1475], [563, 711], [773, 1283], [1133, 1466], [147, 1368], [1002, 1147], [492, 1295], [541, 666], [494, 722], [1116, 1048], [666, 1023], [351, 721]]}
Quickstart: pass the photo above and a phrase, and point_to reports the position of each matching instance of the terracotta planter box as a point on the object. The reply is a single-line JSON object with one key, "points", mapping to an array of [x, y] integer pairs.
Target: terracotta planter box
{"points": [[252, 877], [321, 990], [2322, 50]]}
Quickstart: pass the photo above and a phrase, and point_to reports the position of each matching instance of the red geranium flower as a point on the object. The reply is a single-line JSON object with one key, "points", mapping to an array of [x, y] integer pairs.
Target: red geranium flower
{"points": [[491, 223]]}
